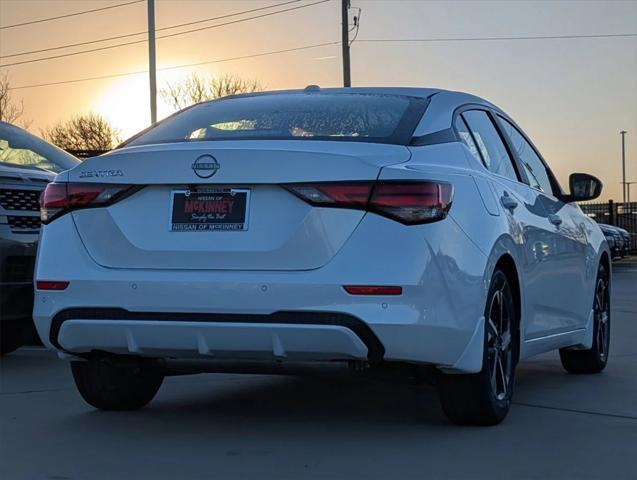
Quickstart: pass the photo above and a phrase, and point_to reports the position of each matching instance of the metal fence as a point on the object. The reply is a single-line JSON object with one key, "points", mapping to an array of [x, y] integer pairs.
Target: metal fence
{"points": [[618, 214]]}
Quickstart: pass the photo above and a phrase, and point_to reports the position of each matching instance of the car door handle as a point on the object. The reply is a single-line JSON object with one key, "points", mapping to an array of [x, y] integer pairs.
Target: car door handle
{"points": [[508, 202], [555, 219]]}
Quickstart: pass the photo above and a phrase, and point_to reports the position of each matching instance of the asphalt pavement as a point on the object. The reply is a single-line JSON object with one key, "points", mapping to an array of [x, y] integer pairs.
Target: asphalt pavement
{"points": [[269, 427]]}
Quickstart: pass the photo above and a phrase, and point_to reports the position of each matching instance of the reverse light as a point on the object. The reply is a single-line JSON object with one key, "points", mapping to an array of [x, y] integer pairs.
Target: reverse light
{"points": [[51, 285], [60, 198], [410, 203], [373, 290]]}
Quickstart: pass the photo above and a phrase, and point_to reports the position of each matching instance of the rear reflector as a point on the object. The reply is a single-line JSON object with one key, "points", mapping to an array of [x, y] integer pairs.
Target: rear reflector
{"points": [[373, 290], [51, 285], [410, 203], [60, 198]]}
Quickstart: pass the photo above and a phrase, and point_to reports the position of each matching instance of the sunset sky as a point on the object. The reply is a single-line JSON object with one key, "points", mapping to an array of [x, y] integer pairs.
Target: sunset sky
{"points": [[572, 96]]}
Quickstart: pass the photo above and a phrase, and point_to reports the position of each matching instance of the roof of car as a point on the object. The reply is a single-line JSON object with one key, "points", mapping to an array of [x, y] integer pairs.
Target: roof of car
{"points": [[438, 114], [408, 91]]}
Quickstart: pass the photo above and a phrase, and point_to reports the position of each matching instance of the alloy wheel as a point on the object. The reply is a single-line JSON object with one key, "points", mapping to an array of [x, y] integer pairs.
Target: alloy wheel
{"points": [[499, 344], [600, 309]]}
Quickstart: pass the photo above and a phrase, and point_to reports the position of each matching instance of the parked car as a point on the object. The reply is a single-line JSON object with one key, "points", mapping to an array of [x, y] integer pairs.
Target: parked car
{"points": [[611, 240], [27, 164], [627, 241], [379, 227], [611, 232]]}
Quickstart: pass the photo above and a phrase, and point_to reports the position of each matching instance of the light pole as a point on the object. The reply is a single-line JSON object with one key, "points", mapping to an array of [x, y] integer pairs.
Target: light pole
{"points": [[152, 69], [623, 134], [347, 79]]}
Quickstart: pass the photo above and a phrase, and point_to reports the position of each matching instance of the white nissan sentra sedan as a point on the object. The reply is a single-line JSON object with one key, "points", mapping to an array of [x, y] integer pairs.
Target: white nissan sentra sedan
{"points": [[377, 227]]}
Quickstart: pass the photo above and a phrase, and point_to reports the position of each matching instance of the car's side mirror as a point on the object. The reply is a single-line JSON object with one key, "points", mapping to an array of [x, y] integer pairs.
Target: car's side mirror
{"points": [[584, 187]]}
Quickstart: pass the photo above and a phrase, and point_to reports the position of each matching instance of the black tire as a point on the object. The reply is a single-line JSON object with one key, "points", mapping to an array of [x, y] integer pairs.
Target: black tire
{"points": [[484, 398], [594, 359], [105, 385], [12, 336]]}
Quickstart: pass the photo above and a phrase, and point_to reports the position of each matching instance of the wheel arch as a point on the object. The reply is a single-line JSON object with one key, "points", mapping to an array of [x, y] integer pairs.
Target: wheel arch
{"points": [[605, 261]]}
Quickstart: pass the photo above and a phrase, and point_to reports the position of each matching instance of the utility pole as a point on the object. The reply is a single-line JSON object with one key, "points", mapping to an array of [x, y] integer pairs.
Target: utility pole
{"points": [[152, 66], [623, 134], [347, 81]]}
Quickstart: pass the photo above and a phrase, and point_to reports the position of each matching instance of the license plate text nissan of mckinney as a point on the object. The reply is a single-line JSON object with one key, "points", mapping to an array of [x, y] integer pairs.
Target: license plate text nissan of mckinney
{"points": [[209, 209]]}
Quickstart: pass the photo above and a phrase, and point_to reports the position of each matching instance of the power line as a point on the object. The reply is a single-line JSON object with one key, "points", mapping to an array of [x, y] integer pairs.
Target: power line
{"points": [[245, 19], [74, 53], [229, 15], [208, 62], [471, 39], [127, 35], [163, 36], [70, 15], [69, 45]]}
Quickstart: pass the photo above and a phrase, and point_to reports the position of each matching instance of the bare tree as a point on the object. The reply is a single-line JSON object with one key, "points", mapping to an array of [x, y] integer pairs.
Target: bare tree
{"points": [[195, 89], [83, 132], [10, 110]]}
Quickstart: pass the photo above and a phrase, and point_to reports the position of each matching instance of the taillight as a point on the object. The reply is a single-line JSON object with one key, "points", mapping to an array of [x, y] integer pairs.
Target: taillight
{"points": [[350, 195], [60, 198], [410, 203]]}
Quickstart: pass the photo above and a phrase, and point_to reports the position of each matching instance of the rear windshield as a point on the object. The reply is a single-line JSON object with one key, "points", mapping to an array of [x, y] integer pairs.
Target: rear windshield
{"points": [[298, 116]]}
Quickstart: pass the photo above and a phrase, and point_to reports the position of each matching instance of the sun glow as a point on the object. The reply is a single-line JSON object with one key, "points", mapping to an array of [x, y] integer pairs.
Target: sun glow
{"points": [[125, 102]]}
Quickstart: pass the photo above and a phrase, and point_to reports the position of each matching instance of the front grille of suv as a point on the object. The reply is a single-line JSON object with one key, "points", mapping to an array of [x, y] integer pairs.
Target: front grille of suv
{"points": [[22, 224], [25, 200]]}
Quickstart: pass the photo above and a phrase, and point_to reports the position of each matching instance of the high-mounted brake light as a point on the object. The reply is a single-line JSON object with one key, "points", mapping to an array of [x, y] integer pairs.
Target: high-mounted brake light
{"points": [[410, 203], [60, 198]]}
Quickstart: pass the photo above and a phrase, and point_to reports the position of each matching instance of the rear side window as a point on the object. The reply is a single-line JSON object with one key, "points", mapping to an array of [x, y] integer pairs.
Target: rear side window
{"points": [[465, 136], [294, 116], [535, 170], [494, 154]]}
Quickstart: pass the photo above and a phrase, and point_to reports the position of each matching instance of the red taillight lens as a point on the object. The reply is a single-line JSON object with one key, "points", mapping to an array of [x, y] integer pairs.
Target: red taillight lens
{"points": [[406, 202], [373, 289], [59, 198], [51, 285], [339, 194], [412, 202]]}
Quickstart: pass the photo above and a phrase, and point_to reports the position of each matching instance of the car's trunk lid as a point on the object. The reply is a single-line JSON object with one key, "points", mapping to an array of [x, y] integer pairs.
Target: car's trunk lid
{"points": [[279, 231]]}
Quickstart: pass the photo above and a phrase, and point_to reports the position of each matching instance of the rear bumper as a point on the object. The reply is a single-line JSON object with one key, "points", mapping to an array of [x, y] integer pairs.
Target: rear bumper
{"points": [[437, 319], [321, 322], [281, 335]]}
